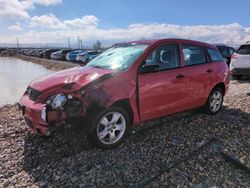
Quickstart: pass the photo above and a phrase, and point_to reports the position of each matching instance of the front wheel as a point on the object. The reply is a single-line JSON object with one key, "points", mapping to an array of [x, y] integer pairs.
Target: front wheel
{"points": [[215, 101], [108, 128]]}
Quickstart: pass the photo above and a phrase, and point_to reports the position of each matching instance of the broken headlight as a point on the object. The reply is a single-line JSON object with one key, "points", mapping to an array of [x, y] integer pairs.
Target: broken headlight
{"points": [[57, 101]]}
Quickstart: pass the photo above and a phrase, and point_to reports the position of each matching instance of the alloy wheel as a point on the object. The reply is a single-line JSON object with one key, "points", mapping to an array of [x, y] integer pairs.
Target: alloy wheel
{"points": [[216, 101], [111, 128]]}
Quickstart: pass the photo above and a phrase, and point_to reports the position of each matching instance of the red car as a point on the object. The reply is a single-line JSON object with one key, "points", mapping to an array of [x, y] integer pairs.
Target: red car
{"points": [[126, 85]]}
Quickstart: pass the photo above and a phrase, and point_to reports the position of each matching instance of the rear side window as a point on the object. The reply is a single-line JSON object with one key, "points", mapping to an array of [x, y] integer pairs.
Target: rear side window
{"points": [[193, 55], [244, 49], [214, 55]]}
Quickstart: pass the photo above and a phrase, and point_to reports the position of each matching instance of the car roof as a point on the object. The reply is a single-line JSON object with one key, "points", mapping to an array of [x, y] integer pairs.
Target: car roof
{"points": [[155, 41]]}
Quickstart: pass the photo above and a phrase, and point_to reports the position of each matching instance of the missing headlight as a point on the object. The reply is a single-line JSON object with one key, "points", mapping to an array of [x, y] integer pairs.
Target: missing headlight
{"points": [[73, 107], [57, 101]]}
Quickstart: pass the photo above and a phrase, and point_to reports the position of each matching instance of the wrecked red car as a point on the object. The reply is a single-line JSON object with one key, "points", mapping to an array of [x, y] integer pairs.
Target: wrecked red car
{"points": [[126, 85]]}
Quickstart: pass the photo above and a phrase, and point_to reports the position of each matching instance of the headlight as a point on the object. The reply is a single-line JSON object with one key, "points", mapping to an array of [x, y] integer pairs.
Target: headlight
{"points": [[57, 101]]}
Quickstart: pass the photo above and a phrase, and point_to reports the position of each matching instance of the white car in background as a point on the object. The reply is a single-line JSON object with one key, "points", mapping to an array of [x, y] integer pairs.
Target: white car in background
{"points": [[240, 62], [85, 57]]}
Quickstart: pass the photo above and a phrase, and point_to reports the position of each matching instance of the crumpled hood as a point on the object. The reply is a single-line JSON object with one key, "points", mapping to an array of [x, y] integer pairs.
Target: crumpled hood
{"points": [[78, 75]]}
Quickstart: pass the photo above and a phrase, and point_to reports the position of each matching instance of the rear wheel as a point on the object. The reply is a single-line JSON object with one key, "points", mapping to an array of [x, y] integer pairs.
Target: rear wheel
{"points": [[215, 101], [108, 128]]}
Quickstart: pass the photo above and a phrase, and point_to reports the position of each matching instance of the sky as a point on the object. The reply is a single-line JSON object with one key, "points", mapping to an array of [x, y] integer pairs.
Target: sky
{"points": [[111, 21]]}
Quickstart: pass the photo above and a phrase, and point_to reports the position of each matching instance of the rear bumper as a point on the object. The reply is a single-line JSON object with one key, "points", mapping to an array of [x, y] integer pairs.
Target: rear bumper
{"points": [[241, 71]]}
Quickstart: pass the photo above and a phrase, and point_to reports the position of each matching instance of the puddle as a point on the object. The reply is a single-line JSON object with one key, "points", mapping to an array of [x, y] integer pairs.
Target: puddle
{"points": [[15, 76]]}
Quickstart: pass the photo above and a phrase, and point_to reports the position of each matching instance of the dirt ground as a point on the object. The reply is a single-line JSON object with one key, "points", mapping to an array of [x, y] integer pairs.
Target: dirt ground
{"points": [[48, 63], [183, 150]]}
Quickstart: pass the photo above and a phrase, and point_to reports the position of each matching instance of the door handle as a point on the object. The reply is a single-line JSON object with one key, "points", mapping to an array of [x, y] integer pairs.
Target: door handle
{"points": [[180, 76], [209, 71]]}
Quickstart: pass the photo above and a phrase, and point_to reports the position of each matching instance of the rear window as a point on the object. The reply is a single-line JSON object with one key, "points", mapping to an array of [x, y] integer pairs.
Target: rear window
{"points": [[214, 55], [244, 49]]}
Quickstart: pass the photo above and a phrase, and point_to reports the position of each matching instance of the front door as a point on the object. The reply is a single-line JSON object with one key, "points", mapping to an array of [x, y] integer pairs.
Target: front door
{"points": [[162, 90]]}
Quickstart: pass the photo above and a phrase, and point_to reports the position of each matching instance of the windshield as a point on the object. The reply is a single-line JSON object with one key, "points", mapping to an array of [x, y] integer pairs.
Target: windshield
{"points": [[118, 57]]}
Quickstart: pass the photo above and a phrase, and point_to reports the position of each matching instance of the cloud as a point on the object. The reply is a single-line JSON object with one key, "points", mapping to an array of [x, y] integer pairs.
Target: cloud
{"points": [[19, 8], [48, 21], [50, 29], [85, 21], [16, 27], [14, 9], [47, 2]]}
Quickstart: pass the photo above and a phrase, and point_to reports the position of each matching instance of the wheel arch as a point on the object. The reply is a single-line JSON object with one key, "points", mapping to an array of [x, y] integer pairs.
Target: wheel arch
{"points": [[220, 85], [125, 104], [122, 103]]}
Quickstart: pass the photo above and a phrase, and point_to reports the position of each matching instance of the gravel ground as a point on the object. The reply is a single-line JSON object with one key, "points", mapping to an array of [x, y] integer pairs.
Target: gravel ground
{"points": [[182, 150]]}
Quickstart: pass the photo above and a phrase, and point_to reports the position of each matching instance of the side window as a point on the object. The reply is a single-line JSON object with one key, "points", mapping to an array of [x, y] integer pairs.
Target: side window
{"points": [[193, 55], [214, 55], [166, 56]]}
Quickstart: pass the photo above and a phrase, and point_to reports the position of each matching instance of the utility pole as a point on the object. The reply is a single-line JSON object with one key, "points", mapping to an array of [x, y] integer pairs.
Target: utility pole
{"points": [[17, 43], [81, 44], [69, 42], [78, 38]]}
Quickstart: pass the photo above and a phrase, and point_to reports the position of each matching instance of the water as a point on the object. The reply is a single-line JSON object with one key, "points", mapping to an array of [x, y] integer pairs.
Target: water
{"points": [[15, 76]]}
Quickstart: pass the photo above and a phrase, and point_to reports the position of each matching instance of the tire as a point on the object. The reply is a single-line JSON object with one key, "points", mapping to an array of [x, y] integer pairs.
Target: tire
{"points": [[108, 128], [214, 102]]}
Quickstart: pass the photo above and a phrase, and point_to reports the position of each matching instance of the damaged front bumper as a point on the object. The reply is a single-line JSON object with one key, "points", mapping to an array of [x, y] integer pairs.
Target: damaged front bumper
{"points": [[37, 117]]}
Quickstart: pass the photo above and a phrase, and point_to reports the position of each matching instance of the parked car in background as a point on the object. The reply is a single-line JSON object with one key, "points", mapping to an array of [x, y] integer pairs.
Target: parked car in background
{"points": [[127, 85], [54, 55], [85, 57], [226, 52], [71, 56], [41, 52], [60, 55], [2, 49], [240, 64], [47, 53]]}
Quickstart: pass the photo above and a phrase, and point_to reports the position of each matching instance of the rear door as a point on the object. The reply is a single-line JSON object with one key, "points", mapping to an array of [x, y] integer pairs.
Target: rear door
{"points": [[198, 71]]}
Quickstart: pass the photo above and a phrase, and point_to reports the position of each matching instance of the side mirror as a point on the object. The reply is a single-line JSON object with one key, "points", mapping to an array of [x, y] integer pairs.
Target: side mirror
{"points": [[149, 68]]}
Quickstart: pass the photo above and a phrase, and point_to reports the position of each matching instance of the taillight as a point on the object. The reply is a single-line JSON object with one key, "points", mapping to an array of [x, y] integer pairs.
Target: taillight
{"points": [[234, 56]]}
